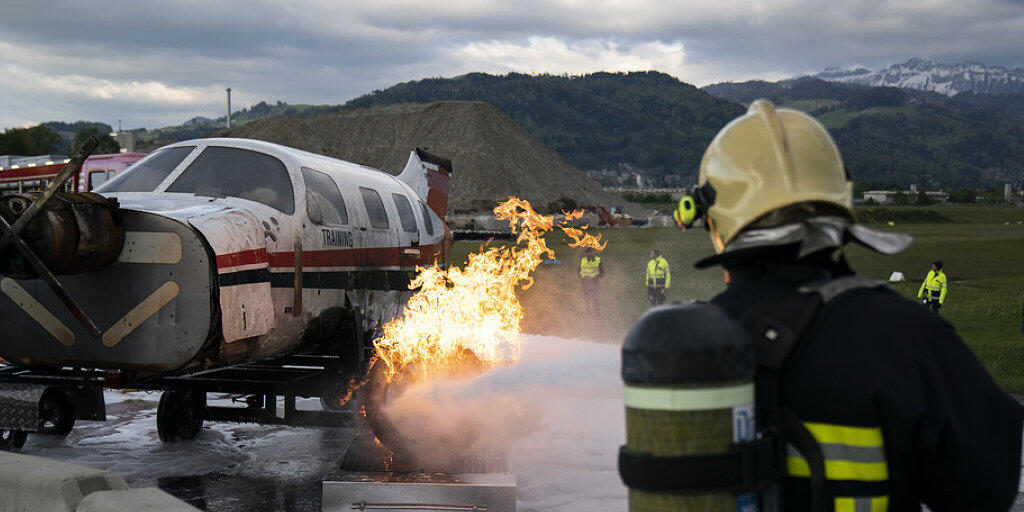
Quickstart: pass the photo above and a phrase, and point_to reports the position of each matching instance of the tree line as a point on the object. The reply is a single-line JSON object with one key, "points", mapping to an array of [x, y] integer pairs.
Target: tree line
{"points": [[43, 140]]}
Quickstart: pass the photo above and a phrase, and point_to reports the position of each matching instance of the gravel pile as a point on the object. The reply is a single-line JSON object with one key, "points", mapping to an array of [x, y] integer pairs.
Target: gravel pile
{"points": [[493, 157]]}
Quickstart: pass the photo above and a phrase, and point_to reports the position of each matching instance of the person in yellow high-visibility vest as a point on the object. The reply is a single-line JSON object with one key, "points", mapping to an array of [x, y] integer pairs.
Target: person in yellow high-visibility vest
{"points": [[658, 278], [591, 272], [933, 289]]}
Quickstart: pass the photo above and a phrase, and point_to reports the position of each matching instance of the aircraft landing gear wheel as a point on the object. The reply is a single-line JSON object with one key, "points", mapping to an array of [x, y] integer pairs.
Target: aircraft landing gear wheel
{"points": [[56, 414], [179, 415], [12, 440]]}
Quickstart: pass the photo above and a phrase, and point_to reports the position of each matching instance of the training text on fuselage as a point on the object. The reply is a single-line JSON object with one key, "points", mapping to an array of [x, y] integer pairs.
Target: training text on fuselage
{"points": [[337, 238]]}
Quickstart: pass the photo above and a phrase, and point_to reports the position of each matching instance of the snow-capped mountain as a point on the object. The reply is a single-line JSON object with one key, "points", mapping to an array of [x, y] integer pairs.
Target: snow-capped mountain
{"points": [[928, 75]]}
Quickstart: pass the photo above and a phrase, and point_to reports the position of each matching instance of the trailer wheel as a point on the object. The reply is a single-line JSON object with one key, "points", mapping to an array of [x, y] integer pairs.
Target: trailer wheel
{"points": [[12, 440], [56, 413], [179, 415]]}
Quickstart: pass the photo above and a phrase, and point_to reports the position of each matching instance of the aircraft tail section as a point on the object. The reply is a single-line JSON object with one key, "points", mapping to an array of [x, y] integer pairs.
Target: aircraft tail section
{"points": [[430, 176]]}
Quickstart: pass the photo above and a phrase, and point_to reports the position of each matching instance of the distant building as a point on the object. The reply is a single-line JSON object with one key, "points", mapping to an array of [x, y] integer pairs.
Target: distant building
{"points": [[889, 196], [127, 141], [880, 196]]}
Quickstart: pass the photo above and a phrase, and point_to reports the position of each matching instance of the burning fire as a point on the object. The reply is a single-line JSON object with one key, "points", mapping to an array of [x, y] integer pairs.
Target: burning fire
{"points": [[471, 316]]}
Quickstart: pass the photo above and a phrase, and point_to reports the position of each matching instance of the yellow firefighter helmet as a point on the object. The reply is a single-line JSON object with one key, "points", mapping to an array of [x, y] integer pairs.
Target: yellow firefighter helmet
{"points": [[766, 160]]}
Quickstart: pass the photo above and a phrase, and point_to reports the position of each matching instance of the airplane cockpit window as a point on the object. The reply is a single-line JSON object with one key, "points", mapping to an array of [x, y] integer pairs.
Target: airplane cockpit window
{"points": [[375, 208], [324, 191], [235, 172], [147, 174], [405, 212], [427, 219]]}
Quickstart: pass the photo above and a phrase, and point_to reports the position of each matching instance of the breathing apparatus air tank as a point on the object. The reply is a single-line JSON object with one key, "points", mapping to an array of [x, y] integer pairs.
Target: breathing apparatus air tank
{"points": [[688, 371]]}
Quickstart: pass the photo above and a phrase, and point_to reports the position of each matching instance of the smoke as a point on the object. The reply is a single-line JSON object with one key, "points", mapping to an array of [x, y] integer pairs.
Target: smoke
{"points": [[554, 306], [451, 422], [558, 413]]}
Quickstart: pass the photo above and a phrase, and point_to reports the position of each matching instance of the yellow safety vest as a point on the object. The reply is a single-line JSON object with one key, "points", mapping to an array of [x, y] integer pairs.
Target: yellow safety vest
{"points": [[935, 283], [590, 267], [658, 273]]}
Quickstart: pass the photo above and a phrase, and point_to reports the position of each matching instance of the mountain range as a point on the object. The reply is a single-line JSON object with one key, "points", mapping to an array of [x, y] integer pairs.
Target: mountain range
{"points": [[889, 135], [929, 75]]}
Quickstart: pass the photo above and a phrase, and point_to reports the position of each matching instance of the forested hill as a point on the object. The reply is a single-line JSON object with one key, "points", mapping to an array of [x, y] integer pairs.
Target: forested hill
{"points": [[889, 135], [648, 120]]}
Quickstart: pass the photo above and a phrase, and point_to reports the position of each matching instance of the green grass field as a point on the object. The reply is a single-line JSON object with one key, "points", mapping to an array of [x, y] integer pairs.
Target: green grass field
{"points": [[981, 255], [838, 118], [809, 105]]}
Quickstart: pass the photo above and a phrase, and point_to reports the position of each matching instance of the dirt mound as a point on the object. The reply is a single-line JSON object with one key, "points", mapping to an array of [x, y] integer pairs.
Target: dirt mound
{"points": [[493, 157]]}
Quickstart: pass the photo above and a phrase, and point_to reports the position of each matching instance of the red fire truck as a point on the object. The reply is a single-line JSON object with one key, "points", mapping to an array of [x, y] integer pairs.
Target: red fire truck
{"points": [[96, 170]]}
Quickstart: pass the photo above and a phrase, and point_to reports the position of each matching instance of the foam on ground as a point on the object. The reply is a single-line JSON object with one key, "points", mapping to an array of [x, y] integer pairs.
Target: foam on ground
{"points": [[567, 463]]}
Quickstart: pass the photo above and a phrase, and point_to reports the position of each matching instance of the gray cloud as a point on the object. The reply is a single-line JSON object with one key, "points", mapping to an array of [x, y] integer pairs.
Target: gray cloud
{"points": [[162, 62]]}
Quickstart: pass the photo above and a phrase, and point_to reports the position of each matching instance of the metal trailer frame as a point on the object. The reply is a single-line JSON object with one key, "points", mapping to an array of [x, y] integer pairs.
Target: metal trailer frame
{"points": [[76, 393], [263, 385], [288, 377]]}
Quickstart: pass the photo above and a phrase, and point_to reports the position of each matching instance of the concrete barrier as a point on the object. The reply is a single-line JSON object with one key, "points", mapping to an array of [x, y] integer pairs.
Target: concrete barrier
{"points": [[133, 500], [35, 484]]}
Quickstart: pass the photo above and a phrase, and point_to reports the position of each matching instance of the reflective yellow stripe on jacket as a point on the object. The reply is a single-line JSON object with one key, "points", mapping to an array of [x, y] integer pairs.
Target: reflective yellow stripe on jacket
{"points": [[591, 267], [862, 504], [935, 285], [852, 454]]}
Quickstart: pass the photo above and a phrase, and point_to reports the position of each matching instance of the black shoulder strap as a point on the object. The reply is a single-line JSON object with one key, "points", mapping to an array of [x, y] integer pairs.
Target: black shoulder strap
{"points": [[780, 326]]}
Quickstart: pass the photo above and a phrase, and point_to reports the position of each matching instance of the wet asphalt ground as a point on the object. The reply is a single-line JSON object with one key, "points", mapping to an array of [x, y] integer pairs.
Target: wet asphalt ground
{"points": [[228, 467]]}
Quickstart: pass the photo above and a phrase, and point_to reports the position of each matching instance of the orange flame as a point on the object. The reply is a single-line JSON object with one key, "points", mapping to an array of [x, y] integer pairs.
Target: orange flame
{"points": [[579, 235], [573, 215], [472, 314], [582, 239]]}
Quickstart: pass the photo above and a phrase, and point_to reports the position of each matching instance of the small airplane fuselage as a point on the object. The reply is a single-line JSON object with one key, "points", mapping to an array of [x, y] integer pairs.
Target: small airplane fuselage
{"points": [[235, 250]]}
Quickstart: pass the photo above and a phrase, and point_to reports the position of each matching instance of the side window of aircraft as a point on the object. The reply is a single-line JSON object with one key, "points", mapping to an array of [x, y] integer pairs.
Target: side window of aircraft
{"points": [[322, 190], [147, 174], [405, 213], [235, 172], [375, 208], [427, 220]]}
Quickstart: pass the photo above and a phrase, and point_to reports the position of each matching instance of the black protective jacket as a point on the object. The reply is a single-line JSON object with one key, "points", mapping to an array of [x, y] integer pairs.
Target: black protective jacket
{"points": [[952, 436]]}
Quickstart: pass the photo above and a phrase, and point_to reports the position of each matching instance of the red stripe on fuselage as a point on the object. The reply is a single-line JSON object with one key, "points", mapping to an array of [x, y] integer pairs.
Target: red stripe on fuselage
{"points": [[356, 257], [247, 257]]}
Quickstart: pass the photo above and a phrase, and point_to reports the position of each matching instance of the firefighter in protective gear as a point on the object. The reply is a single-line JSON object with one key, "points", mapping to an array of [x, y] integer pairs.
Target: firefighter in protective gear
{"points": [[591, 272], [933, 289], [658, 278], [880, 404]]}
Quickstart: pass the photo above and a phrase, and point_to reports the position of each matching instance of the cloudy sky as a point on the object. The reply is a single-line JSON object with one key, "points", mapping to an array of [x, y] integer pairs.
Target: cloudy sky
{"points": [[155, 63]]}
